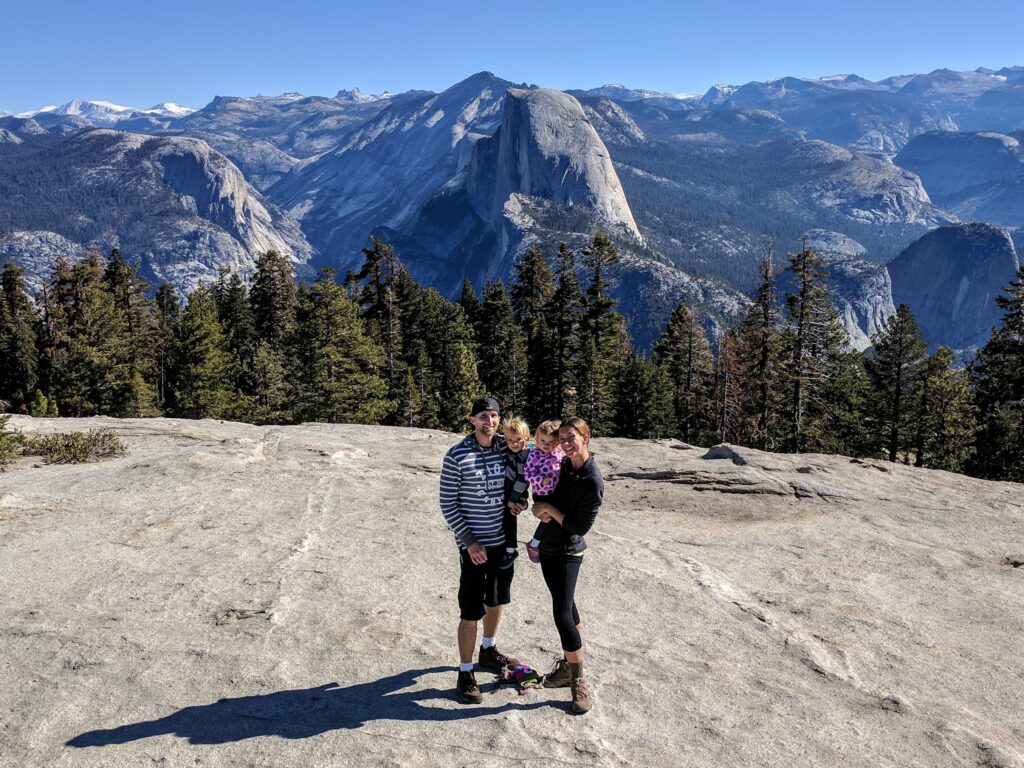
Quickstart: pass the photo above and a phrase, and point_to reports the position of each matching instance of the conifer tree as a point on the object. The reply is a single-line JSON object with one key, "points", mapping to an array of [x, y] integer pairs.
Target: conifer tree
{"points": [[471, 305], [413, 404], [727, 377], [375, 291], [129, 291], [205, 371], [605, 341], [18, 343], [812, 341], [998, 378], [566, 318], [684, 353], [338, 364], [167, 322], [501, 350], [759, 350], [531, 292], [897, 356], [273, 297], [234, 311], [643, 407], [92, 370], [946, 418], [452, 381]]}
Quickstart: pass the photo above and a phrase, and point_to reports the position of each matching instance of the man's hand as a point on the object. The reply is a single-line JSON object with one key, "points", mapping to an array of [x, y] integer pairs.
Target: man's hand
{"points": [[515, 507], [477, 554]]}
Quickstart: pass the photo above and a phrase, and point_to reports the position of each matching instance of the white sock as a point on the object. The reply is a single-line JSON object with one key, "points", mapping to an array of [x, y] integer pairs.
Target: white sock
{"points": [[465, 666], [487, 643], [510, 549], [534, 542]]}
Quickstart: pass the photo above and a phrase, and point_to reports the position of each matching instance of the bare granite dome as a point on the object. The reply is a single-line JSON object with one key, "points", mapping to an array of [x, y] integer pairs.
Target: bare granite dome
{"points": [[228, 594], [546, 147]]}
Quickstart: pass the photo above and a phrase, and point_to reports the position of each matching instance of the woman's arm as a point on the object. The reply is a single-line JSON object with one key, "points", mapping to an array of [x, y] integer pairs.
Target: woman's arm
{"points": [[579, 520]]}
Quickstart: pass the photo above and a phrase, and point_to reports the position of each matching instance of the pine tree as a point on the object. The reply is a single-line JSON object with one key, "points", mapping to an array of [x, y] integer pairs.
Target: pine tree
{"points": [[894, 365], [501, 350], [471, 306], [376, 296], [19, 373], [605, 342], [643, 407], [205, 378], [727, 376], [129, 291], [684, 353], [167, 322], [812, 341], [759, 351], [532, 291], [92, 369], [273, 297], [452, 381], [946, 421], [566, 319], [998, 378], [338, 364], [234, 312], [413, 404]]}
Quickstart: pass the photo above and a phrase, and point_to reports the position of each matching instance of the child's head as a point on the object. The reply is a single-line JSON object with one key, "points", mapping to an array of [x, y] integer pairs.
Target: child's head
{"points": [[547, 435], [517, 433]]}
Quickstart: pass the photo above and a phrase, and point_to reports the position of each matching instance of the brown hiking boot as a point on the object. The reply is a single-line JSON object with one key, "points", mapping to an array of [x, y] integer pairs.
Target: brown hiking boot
{"points": [[582, 699], [468, 690], [494, 660], [559, 676]]}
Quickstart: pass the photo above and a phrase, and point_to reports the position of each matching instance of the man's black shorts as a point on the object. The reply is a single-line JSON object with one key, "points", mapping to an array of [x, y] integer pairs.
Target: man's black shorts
{"points": [[485, 584]]}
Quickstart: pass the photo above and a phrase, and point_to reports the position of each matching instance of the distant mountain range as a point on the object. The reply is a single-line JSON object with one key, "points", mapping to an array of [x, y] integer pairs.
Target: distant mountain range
{"points": [[691, 188]]}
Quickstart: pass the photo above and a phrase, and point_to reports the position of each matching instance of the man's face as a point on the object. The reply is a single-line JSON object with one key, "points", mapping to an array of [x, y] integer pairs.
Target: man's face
{"points": [[485, 423]]}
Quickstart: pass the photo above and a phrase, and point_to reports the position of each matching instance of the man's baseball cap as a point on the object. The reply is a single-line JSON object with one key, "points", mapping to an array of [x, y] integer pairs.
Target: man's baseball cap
{"points": [[485, 404]]}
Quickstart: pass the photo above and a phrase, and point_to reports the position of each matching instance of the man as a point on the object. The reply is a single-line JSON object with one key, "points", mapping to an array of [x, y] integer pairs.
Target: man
{"points": [[472, 496]]}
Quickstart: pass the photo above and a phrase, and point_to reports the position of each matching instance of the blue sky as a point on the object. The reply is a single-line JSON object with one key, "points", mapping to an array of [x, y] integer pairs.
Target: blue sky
{"points": [[137, 53]]}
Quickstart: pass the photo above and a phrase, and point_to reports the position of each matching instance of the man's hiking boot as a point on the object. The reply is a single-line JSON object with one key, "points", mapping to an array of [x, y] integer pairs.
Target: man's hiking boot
{"points": [[494, 660], [559, 676], [582, 700], [469, 691], [507, 558]]}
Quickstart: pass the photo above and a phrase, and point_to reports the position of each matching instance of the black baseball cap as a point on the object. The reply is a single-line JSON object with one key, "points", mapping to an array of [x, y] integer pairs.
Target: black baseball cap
{"points": [[485, 404]]}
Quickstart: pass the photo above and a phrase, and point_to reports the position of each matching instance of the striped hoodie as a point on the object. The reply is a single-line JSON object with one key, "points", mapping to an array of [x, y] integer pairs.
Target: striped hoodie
{"points": [[472, 491]]}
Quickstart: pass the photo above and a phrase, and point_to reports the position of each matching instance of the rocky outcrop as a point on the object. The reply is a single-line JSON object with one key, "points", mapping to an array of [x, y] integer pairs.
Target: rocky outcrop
{"points": [[36, 253], [978, 176], [861, 289], [286, 596], [547, 148], [174, 203], [950, 279]]}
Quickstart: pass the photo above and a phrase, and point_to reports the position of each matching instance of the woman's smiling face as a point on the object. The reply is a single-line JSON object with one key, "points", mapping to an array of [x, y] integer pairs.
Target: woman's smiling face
{"points": [[572, 442]]}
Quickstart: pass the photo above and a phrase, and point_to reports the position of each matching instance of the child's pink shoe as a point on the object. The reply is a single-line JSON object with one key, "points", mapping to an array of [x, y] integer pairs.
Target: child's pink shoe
{"points": [[533, 553]]}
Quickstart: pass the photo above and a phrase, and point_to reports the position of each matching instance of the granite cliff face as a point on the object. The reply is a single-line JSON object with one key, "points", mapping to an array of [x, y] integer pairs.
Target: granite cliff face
{"points": [[227, 594], [950, 279], [977, 176], [547, 148], [179, 206]]}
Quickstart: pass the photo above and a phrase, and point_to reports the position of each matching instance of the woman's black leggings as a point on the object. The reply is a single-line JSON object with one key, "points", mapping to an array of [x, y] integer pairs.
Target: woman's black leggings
{"points": [[560, 574]]}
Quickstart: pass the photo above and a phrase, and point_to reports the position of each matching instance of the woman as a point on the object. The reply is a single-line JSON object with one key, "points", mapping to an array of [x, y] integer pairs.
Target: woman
{"points": [[571, 510]]}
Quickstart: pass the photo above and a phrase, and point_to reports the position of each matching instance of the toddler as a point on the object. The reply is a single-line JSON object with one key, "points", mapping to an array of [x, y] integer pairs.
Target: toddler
{"points": [[517, 433], [542, 468]]}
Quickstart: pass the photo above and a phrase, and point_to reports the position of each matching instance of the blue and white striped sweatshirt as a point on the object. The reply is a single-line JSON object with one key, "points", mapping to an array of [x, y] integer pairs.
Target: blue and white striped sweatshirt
{"points": [[472, 491]]}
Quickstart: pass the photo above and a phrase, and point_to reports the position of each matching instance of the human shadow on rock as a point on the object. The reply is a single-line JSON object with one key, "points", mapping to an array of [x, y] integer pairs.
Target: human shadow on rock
{"points": [[300, 713]]}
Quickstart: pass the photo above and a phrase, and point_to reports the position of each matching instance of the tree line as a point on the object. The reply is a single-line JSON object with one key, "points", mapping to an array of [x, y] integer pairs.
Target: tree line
{"points": [[378, 348]]}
